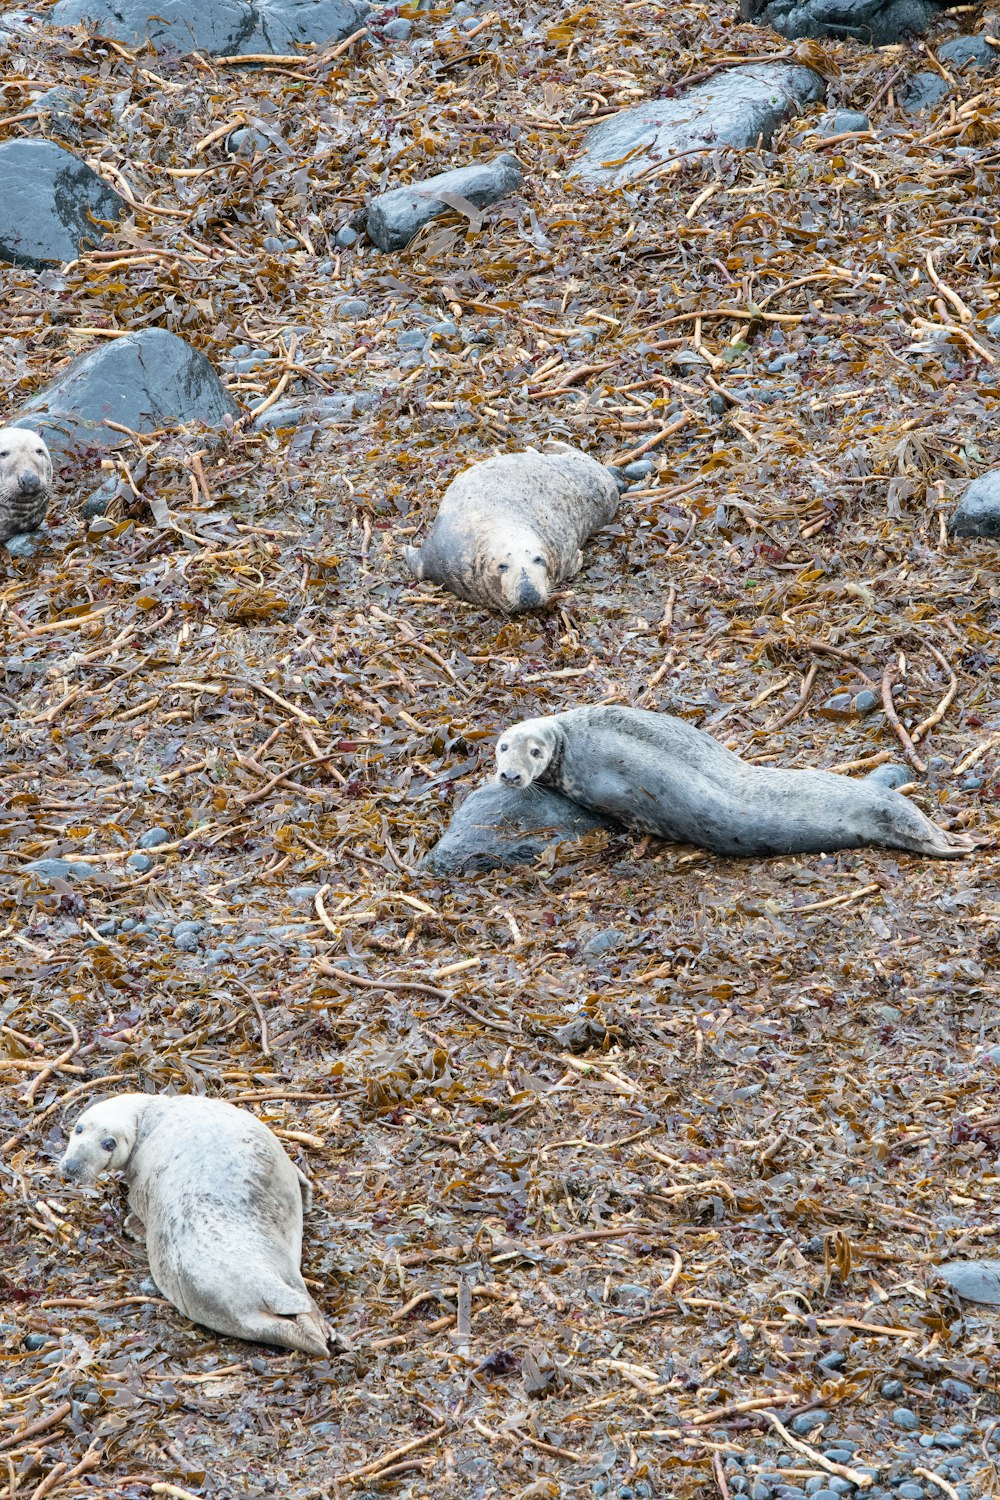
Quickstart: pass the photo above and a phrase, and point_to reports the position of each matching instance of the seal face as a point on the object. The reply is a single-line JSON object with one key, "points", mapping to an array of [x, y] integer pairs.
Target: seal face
{"points": [[222, 1208], [510, 529], [657, 774], [25, 481]]}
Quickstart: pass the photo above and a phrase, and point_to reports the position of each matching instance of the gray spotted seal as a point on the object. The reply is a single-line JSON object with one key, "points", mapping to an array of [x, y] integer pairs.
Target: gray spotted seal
{"points": [[510, 529], [657, 774], [25, 481], [222, 1208]]}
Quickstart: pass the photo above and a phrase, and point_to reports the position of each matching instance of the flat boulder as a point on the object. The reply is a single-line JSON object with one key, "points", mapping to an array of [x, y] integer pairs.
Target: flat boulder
{"points": [[978, 512], [52, 206], [498, 827], [395, 217], [143, 381], [222, 27], [879, 23], [737, 108]]}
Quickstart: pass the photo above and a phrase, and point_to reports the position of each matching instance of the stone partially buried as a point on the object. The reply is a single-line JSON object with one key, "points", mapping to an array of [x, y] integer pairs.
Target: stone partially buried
{"points": [[222, 27], [879, 23], [978, 512], [142, 381], [734, 108], [52, 206], [498, 827], [395, 217]]}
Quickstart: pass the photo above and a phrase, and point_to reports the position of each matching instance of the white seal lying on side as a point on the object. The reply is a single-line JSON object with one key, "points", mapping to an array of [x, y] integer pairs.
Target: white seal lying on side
{"points": [[657, 774], [25, 481], [510, 529], [222, 1207]]}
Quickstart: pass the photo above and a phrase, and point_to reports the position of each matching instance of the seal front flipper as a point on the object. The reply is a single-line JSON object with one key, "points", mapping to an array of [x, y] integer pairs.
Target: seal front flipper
{"points": [[415, 560]]}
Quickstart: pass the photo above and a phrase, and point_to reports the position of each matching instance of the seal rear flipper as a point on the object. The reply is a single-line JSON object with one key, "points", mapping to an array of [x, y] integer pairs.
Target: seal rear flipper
{"points": [[295, 1321], [414, 559]]}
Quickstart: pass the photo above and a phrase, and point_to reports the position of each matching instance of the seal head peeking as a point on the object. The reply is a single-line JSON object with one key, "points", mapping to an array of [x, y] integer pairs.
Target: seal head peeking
{"points": [[527, 751], [25, 481], [510, 530], [221, 1204]]}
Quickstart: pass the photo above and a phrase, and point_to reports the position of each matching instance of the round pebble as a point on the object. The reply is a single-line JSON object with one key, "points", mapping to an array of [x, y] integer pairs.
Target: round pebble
{"points": [[891, 1389], [398, 30], [153, 838], [809, 1421], [346, 237], [413, 338], [187, 942], [139, 864], [865, 701], [905, 1418], [353, 307], [640, 469], [910, 1491], [34, 1341]]}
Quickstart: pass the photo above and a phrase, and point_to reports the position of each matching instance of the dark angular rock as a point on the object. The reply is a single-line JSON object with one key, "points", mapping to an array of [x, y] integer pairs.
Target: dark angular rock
{"points": [[58, 111], [497, 827], [51, 204], [228, 27], [395, 217], [974, 51], [734, 108], [926, 90], [61, 869], [877, 22], [144, 380], [978, 513]]}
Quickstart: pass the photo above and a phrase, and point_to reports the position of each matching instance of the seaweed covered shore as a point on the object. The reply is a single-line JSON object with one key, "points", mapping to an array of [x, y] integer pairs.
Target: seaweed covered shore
{"points": [[634, 1168]]}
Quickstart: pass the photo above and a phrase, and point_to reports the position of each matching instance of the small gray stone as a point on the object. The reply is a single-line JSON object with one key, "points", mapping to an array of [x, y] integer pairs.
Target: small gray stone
{"points": [[303, 895], [59, 109], [395, 217], [993, 327], [972, 50], [352, 307], [98, 500], [180, 929], [153, 838], [641, 469], [910, 1491], [346, 236], [865, 702], [25, 544], [891, 1389], [604, 942], [60, 869], [294, 413], [978, 513], [107, 929], [413, 338], [823, 1493], [905, 1418], [926, 90], [139, 864], [843, 122], [960, 1390], [890, 776], [398, 30], [808, 1421], [272, 244], [187, 942]]}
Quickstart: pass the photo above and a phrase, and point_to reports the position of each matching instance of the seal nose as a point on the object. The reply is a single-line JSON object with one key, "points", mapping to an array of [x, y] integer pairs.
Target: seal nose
{"points": [[28, 482], [512, 778], [69, 1169], [528, 596]]}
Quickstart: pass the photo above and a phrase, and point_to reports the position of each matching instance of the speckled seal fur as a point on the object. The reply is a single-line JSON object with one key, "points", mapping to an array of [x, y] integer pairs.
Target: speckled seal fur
{"points": [[222, 1208], [510, 529], [659, 775], [25, 481]]}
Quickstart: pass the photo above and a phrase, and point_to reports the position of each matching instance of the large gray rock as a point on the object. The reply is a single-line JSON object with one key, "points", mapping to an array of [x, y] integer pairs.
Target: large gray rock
{"points": [[143, 381], [49, 202], [978, 512], [877, 22], [395, 217], [973, 51], [975, 1280], [497, 827], [925, 90], [734, 108], [225, 27]]}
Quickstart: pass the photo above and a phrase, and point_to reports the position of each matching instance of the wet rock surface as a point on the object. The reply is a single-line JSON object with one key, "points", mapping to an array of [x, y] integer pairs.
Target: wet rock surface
{"points": [[51, 204], [230, 27], [978, 511], [395, 217], [498, 827], [143, 381], [737, 107], [878, 23]]}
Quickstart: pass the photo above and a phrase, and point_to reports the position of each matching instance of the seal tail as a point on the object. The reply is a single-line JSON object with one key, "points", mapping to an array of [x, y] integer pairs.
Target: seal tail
{"points": [[293, 1320]]}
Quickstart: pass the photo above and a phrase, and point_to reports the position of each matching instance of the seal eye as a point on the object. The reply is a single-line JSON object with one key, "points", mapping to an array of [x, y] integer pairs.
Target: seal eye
{"points": [[78, 1130], [109, 1143], [536, 754], [503, 747], [5, 453], [539, 562], [503, 568]]}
